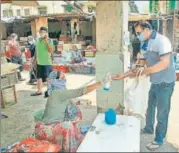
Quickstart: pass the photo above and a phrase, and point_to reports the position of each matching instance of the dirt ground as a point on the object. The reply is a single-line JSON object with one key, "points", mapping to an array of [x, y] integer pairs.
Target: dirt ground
{"points": [[20, 121]]}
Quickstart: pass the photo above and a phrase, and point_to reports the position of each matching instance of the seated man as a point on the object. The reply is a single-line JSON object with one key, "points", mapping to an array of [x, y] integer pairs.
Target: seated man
{"points": [[58, 101], [57, 81]]}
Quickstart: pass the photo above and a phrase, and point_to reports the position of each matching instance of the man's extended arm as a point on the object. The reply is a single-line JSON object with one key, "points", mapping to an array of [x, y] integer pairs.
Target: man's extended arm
{"points": [[132, 72], [124, 75]]}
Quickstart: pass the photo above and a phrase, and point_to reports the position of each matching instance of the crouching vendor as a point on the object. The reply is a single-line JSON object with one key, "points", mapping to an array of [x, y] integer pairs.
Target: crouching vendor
{"points": [[59, 99]]}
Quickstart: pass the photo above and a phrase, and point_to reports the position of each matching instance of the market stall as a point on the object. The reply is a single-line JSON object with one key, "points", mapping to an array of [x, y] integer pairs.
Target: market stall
{"points": [[8, 80], [112, 138]]}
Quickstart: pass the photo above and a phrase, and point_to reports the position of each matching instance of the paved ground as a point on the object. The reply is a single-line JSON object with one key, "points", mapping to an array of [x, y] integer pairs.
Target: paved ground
{"points": [[20, 123]]}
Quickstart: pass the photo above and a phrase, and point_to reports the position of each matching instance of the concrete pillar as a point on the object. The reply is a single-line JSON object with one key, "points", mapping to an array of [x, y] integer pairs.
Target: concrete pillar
{"points": [[37, 23], [72, 24], [94, 31], [33, 28], [111, 24], [72, 28]]}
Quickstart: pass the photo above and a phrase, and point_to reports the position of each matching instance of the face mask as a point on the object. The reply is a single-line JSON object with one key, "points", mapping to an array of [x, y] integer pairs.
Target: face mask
{"points": [[141, 37], [42, 35], [31, 42]]}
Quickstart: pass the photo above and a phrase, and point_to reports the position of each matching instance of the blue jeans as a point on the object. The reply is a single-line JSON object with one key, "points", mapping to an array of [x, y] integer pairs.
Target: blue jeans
{"points": [[160, 97]]}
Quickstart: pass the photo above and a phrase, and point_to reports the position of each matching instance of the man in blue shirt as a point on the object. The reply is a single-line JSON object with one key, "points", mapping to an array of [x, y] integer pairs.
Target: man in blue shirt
{"points": [[156, 53]]}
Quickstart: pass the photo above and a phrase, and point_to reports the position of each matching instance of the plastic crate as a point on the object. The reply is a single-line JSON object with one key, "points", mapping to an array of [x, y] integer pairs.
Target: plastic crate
{"points": [[62, 68]]}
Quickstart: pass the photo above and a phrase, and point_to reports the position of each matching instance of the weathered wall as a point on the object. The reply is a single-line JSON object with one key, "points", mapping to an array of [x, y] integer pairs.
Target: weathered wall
{"points": [[37, 23], [3, 31], [108, 26]]}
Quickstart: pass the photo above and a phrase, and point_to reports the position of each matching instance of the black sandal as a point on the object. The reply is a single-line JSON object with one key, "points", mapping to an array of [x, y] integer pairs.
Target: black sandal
{"points": [[153, 146], [36, 94]]}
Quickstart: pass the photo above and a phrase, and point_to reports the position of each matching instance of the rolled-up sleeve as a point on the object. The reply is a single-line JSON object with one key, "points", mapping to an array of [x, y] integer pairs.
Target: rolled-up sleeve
{"points": [[165, 46]]}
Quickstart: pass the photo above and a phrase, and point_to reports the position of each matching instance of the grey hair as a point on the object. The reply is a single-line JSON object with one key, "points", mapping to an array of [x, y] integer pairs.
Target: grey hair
{"points": [[14, 35]]}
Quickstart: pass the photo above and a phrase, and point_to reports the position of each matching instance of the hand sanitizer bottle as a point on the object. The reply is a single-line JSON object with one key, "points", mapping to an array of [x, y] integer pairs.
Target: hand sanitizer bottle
{"points": [[107, 85]]}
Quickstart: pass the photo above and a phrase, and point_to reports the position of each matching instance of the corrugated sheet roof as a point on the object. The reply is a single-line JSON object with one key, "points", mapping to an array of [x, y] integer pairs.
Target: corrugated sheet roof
{"points": [[59, 15], [11, 19]]}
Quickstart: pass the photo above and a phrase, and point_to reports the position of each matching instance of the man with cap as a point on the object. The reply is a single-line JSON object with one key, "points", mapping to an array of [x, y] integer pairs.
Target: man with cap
{"points": [[44, 50]]}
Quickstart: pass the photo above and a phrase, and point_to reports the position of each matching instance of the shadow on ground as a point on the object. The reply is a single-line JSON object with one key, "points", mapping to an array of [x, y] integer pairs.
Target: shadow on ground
{"points": [[145, 139]]}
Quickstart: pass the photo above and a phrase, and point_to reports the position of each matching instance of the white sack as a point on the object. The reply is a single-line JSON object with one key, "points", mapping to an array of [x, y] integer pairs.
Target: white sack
{"points": [[136, 95]]}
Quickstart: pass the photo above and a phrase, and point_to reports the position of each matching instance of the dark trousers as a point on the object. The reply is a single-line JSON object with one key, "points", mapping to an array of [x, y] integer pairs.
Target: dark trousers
{"points": [[43, 71], [18, 60]]}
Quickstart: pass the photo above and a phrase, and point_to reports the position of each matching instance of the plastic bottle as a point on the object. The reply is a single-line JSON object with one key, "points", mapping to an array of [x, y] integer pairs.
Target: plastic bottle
{"points": [[107, 85]]}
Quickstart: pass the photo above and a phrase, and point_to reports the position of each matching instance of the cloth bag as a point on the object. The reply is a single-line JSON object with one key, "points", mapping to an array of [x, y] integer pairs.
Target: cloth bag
{"points": [[66, 134]]}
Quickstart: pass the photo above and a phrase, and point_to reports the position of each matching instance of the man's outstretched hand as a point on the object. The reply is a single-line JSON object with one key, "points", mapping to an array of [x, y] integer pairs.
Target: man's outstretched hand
{"points": [[117, 77]]}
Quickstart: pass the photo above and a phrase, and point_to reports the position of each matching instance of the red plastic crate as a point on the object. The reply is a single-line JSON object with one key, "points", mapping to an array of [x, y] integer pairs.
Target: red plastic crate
{"points": [[62, 68], [27, 66]]}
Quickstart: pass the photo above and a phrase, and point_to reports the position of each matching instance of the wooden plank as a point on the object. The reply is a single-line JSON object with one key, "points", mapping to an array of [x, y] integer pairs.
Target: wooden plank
{"points": [[7, 68], [139, 17], [6, 1], [124, 136], [20, 3]]}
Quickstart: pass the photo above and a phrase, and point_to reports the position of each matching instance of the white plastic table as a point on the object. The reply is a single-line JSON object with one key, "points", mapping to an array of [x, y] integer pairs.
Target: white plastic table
{"points": [[124, 136]]}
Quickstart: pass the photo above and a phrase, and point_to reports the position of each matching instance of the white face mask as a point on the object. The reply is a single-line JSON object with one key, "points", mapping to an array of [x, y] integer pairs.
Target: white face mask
{"points": [[42, 35], [31, 42]]}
